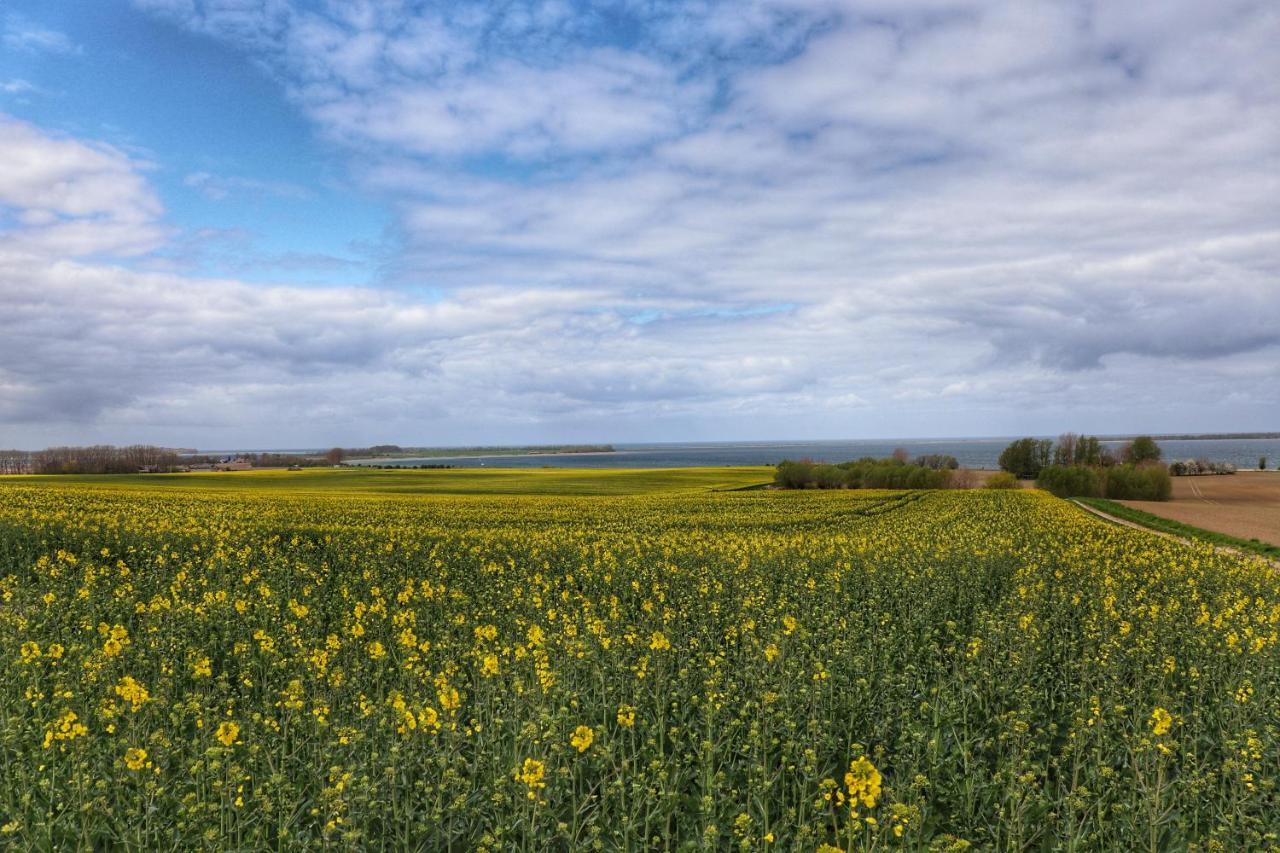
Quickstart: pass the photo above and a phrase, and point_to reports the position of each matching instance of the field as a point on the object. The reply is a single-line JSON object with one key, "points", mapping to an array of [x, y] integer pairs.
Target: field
{"points": [[253, 667], [1245, 505], [430, 481]]}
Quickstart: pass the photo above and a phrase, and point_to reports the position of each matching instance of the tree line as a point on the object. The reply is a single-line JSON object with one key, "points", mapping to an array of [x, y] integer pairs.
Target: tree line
{"points": [[1080, 466], [94, 459], [934, 471]]}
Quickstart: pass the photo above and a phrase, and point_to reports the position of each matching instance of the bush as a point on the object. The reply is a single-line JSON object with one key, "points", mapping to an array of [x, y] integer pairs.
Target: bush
{"points": [[928, 478], [862, 474], [1002, 480], [1197, 467], [1070, 481], [1149, 482], [937, 461], [792, 475], [827, 477]]}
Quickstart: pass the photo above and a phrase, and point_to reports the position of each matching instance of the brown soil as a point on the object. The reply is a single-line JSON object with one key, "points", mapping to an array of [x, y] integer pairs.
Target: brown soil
{"points": [[1245, 505]]}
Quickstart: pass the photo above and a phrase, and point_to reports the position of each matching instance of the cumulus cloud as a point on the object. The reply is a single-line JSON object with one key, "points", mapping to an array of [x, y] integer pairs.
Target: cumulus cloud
{"points": [[66, 197]]}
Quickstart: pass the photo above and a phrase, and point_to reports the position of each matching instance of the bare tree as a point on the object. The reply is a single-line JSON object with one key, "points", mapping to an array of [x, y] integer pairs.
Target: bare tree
{"points": [[1065, 453], [15, 462]]}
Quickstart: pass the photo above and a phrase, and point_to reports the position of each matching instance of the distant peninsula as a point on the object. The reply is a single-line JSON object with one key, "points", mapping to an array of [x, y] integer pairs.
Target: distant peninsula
{"points": [[1201, 436], [392, 451]]}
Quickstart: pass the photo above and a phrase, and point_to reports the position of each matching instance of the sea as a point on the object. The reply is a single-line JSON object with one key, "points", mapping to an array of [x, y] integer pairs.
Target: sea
{"points": [[970, 453]]}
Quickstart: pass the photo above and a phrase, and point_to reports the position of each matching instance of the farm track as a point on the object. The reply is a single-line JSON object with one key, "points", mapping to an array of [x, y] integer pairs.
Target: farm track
{"points": [[1124, 522]]}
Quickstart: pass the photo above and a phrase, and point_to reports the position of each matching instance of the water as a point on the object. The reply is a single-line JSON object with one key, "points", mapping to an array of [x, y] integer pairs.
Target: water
{"points": [[971, 453]]}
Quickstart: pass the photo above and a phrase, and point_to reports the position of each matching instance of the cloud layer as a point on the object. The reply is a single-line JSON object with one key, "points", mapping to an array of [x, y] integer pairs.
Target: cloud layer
{"points": [[747, 219]]}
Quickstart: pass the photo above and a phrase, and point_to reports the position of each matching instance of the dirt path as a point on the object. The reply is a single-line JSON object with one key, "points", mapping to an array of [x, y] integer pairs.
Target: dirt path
{"points": [[1124, 522]]}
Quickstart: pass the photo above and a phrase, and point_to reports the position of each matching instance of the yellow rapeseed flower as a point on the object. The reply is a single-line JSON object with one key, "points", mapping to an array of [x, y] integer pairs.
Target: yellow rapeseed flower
{"points": [[135, 758], [533, 774], [582, 738], [133, 692], [228, 731], [66, 727], [863, 782]]}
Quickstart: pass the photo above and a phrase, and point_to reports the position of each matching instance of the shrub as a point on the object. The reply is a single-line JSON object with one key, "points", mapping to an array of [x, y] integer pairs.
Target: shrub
{"points": [[1070, 481], [1149, 482], [1002, 480], [1196, 467], [937, 461], [827, 477], [927, 478], [792, 475], [862, 474]]}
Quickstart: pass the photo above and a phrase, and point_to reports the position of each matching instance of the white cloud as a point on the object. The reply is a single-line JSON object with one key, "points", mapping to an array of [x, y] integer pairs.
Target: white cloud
{"points": [[887, 217], [20, 34], [72, 198], [221, 187]]}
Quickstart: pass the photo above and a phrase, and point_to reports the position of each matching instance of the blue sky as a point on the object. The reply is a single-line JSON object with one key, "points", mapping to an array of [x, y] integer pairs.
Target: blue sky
{"points": [[239, 170], [281, 222]]}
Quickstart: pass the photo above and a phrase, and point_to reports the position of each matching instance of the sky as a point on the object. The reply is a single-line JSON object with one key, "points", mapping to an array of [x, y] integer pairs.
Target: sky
{"points": [[301, 223]]}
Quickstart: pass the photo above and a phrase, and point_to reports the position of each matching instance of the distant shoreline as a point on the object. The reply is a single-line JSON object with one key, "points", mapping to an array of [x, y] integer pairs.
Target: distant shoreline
{"points": [[1206, 436], [411, 454]]}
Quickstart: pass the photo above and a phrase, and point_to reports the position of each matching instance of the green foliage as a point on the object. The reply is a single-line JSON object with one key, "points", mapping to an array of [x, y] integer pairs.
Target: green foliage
{"points": [[1068, 481], [937, 461], [1148, 482], [1002, 480], [1142, 449], [860, 474], [1025, 457]]}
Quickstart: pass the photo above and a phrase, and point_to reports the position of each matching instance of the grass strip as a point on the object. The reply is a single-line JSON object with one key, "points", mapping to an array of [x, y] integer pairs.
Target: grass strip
{"points": [[1177, 528]]}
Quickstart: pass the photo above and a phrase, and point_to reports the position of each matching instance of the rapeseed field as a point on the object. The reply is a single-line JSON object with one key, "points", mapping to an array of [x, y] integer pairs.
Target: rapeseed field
{"points": [[754, 670]]}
